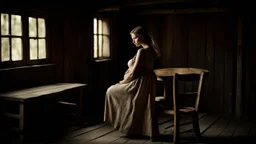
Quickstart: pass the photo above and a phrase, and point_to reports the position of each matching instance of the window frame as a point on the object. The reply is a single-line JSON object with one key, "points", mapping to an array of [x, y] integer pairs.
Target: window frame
{"points": [[25, 39], [39, 14], [100, 16]]}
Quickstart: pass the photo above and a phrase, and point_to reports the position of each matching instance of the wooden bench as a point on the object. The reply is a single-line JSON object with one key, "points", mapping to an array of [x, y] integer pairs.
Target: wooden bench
{"points": [[22, 98]]}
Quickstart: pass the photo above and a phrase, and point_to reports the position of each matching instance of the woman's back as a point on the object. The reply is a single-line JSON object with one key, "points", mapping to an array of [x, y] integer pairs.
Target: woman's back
{"points": [[146, 60]]}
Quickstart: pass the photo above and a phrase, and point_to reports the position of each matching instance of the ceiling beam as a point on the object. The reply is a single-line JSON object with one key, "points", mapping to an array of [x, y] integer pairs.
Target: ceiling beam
{"points": [[183, 11], [152, 2]]}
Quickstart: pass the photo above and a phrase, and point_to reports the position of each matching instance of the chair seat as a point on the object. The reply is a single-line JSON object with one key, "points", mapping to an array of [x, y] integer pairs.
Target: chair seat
{"points": [[182, 110]]}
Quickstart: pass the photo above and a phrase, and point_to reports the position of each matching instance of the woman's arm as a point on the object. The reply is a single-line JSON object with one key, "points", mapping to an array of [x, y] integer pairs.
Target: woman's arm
{"points": [[131, 75]]}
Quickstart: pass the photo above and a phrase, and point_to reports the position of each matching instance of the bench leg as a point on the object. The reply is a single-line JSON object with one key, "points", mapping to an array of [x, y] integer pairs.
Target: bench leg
{"points": [[21, 121]]}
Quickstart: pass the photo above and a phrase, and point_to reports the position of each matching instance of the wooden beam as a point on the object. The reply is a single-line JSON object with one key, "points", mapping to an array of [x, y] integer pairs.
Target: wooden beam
{"points": [[151, 2], [183, 11], [117, 8]]}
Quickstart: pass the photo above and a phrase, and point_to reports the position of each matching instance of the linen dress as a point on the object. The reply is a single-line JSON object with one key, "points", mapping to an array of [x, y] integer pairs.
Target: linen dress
{"points": [[130, 107]]}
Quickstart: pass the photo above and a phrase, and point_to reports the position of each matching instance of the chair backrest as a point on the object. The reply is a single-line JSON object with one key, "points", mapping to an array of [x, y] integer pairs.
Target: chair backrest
{"points": [[192, 75], [187, 77]]}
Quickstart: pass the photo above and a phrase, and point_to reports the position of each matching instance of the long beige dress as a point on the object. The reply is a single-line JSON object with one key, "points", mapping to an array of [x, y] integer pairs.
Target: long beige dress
{"points": [[130, 107]]}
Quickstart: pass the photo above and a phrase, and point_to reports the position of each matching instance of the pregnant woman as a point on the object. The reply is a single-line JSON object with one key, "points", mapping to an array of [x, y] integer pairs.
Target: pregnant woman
{"points": [[130, 104]]}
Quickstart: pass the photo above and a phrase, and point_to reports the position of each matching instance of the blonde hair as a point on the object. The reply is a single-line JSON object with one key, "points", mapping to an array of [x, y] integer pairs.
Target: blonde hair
{"points": [[141, 31]]}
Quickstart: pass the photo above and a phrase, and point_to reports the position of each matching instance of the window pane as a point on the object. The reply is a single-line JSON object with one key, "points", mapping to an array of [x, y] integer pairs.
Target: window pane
{"points": [[16, 25], [5, 49], [33, 49], [101, 38], [41, 27], [105, 27], [106, 46], [95, 46], [42, 48], [32, 27], [4, 24], [16, 49], [100, 45], [95, 26], [99, 26]]}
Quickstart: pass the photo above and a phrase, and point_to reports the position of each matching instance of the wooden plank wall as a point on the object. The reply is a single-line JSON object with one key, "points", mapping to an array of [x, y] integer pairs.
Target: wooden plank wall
{"points": [[72, 43], [248, 66], [26, 76], [201, 40]]}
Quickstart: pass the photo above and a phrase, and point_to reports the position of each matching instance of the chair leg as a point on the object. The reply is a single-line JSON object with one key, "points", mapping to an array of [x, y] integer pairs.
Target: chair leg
{"points": [[155, 130], [196, 126], [154, 126], [176, 131]]}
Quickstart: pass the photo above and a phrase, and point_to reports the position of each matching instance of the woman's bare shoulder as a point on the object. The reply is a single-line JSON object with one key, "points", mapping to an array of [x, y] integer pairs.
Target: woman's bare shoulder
{"points": [[142, 50]]}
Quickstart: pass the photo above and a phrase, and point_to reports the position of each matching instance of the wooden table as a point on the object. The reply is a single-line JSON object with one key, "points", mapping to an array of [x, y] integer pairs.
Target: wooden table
{"points": [[169, 72], [20, 98]]}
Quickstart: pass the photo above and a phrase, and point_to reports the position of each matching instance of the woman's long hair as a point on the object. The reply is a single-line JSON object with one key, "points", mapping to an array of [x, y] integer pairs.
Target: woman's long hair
{"points": [[141, 31]]}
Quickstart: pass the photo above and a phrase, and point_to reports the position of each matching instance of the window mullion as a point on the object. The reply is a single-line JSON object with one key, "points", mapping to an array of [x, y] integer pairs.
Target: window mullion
{"points": [[102, 40], [98, 39], [25, 40], [46, 38], [10, 38], [98, 44], [37, 38]]}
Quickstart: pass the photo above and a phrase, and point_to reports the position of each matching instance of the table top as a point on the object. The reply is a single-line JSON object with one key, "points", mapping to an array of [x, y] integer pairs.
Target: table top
{"points": [[39, 91], [167, 72]]}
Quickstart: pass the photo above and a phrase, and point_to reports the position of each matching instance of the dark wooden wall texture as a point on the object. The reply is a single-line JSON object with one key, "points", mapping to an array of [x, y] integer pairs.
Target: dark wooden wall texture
{"points": [[220, 41], [201, 40]]}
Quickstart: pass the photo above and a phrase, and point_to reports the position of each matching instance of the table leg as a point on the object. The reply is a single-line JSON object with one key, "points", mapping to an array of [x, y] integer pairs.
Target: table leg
{"points": [[80, 107]]}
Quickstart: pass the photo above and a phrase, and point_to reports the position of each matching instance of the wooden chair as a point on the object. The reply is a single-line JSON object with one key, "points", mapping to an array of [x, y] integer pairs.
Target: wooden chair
{"points": [[181, 76], [160, 98]]}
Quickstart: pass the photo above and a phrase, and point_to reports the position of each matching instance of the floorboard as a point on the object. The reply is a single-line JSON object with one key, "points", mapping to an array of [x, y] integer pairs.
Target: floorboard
{"points": [[214, 129]]}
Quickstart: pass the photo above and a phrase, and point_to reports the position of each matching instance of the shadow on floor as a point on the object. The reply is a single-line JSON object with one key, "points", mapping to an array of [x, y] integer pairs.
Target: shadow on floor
{"points": [[210, 140], [233, 140]]}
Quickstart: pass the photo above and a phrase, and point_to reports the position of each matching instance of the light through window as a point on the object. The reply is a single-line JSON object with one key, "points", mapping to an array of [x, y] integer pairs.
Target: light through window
{"points": [[37, 38], [101, 39], [23, 40], [11, 37]]}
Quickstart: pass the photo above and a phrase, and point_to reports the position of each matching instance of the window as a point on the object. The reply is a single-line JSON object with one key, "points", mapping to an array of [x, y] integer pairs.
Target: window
{"points": [[23, 40], [101, 31], [11, 38], [37, 38]]}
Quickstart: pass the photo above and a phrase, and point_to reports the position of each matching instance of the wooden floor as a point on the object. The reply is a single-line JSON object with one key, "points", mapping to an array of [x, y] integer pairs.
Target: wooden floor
{"points": [[214, 129]]}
